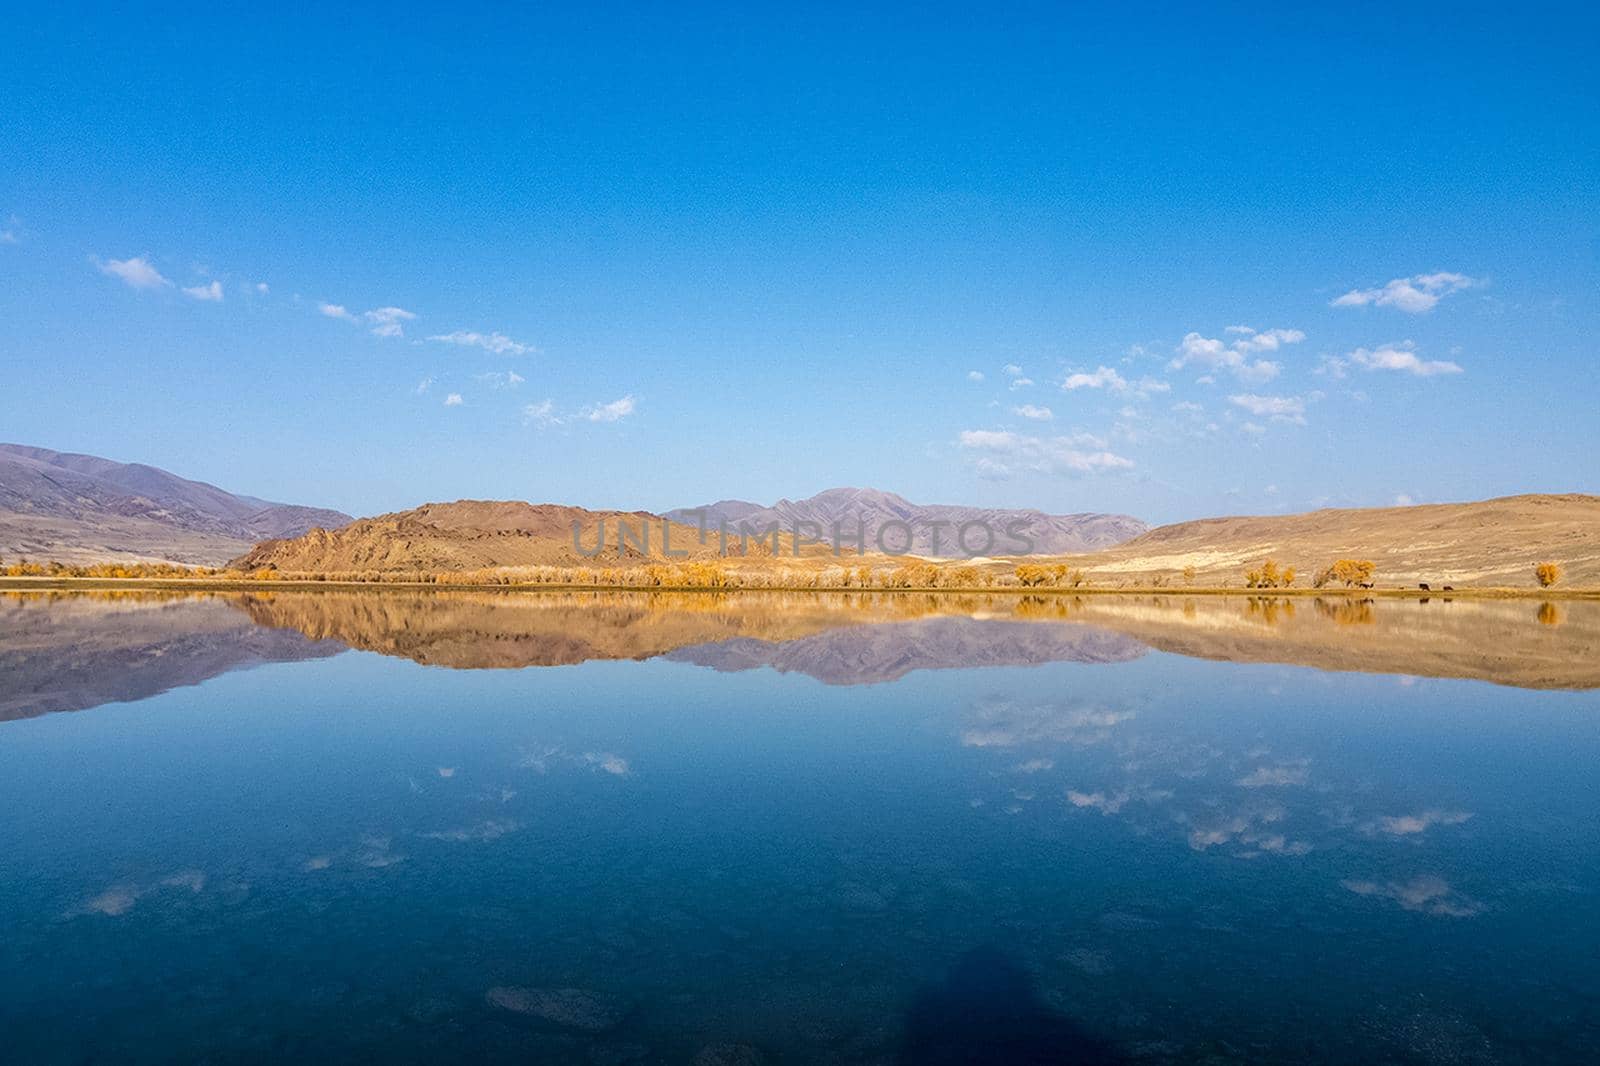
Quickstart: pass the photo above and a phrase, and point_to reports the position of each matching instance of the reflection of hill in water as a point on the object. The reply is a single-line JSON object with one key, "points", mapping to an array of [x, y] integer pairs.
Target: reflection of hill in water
{"points": [[490, 630], [839, 639], [69, 651], [1508, 642], [79, 650], [889, 651]]}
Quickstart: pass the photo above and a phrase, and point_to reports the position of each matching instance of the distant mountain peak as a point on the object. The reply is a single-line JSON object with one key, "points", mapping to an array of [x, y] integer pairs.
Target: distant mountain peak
{"points": [[76, 508], [933, 525]]}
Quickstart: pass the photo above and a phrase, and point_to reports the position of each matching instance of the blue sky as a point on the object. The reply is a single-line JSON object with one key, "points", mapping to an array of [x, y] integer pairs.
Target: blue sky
{"points": [[620, 258]]}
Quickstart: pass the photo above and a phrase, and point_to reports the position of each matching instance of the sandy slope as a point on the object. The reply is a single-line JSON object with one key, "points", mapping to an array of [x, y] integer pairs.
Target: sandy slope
{"points": [[1489, 543]]}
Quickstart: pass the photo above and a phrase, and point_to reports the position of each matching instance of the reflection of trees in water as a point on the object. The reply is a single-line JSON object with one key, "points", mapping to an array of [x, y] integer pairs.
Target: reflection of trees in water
{"points": [[1548, 614], [1348, 612], [1268, 610]]}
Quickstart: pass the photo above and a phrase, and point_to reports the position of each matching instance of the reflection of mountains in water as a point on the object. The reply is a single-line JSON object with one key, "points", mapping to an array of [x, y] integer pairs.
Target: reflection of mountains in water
{"points": [[888, 651], [68, 651], [72, 652]]}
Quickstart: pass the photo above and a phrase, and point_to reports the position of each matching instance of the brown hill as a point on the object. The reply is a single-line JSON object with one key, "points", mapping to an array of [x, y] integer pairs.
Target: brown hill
{"points": [[473, 535], [1489, 543]]}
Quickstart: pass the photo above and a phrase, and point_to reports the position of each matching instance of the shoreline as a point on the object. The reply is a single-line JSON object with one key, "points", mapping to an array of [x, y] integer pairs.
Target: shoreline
{"points": [[56, 584]]}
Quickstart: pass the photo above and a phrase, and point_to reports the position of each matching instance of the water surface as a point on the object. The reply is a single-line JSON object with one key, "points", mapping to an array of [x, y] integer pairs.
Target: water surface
{"points": [[628, 828]]}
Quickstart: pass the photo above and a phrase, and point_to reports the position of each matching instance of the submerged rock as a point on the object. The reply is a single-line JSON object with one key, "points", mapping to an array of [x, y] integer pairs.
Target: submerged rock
{"points": [[574, 1008]]}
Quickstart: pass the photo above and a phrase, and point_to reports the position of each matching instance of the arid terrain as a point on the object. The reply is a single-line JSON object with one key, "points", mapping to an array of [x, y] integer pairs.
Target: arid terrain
{"points": [[1492, 543]]}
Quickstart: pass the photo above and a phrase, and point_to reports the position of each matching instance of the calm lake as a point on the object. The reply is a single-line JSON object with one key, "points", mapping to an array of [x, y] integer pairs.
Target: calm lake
{"points": [[613, 828]]}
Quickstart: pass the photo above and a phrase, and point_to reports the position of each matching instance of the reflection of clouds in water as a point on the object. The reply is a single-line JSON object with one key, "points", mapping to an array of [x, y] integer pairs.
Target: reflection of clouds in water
{"points": [[120, 899], [1250, 834], [1010, 724], [447, 771], [1098, 801], [605, 760], [376, 853], [1425, 894], [1411, 824], [493, 829], [317, 862], [1034, 766], [1275, 776], [543, 760]]}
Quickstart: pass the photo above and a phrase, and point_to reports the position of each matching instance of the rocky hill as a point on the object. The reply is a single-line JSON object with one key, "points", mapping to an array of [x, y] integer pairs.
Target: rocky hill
{"points": [[473, 535]]}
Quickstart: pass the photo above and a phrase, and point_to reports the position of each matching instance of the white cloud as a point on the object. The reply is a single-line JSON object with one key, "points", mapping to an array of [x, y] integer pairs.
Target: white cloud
{"points": [[541, 414], [1000, 453], [9, 234], [974, 375], [614, 411], [1187, 407], [211, 293], [1415, 295], [423, 386], [1021, 383], [1237, 356], [1011, 370], [336, 311], [1033, 413], [263, 288], [497, 343], [1398, 356], [1277, 408], [1103, 378], [453, 400], [136, 273], [388, 321], [496, 379]]}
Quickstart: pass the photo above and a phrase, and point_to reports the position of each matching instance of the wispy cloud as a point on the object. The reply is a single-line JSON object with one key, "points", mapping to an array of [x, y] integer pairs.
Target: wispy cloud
{"points": [[497, 343], [1001, 453], [974, 375], [615, 411], [1277, 408], [9, 235], [1237, 356], [423, 386], [388, 321], [136, 273], [211, 293], [454, 400], [501, 379], [1401, 356], [542, 413], [1415, 295], [336, 311], [1033, 412]]}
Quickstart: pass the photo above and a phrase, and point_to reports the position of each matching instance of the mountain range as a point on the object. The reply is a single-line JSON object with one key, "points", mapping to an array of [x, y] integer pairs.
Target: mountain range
{"points": [[81, 508], [933, 527]]}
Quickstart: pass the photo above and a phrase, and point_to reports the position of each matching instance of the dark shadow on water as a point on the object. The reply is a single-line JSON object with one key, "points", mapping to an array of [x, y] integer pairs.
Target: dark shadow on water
{"points": [[986, 1010]]}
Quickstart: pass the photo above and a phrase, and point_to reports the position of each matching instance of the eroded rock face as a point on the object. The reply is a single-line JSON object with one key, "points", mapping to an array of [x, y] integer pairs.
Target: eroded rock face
{"points": [[571, 1008]]}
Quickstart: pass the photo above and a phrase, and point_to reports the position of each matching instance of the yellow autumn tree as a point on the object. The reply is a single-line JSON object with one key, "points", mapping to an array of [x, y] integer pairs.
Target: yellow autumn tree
{"points": [[1547, 574]]}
